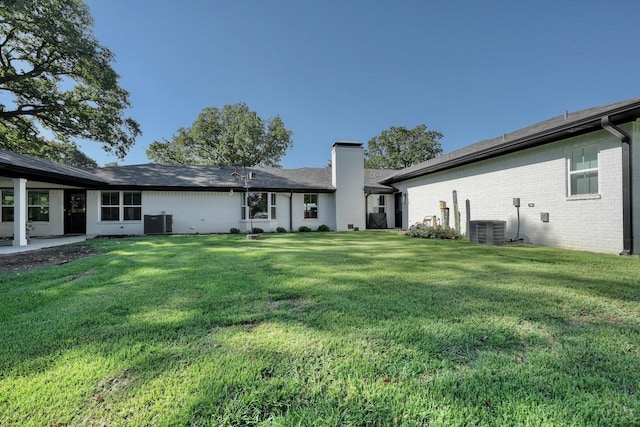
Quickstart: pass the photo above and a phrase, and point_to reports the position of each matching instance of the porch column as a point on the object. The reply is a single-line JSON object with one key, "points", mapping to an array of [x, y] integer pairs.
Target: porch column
{"points": [[19, 211]]}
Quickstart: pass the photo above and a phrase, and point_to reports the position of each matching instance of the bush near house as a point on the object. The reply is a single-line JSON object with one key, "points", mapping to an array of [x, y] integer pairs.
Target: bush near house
{"points": [[304, 229], [257, 230], [281, 230], [324, 227], [430, 232], [234, 230]]}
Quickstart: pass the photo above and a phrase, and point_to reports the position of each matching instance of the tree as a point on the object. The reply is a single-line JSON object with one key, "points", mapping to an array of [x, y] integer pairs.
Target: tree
{"points": [[232, 135], [56, 151], [399, 147], [67, 153], [55, 76]]}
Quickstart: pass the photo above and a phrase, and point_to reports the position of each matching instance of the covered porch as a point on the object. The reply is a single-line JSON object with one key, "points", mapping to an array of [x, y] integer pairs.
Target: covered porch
{"points": [[54, 183]]}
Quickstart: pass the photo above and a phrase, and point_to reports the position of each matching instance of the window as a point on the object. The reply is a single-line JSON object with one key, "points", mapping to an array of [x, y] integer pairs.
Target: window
{"points": [[379, 204], [7, 205], [37, 205], [132, 206], [258, 206], [111, 208], [311, 206], [273, 205], [583, 170]]}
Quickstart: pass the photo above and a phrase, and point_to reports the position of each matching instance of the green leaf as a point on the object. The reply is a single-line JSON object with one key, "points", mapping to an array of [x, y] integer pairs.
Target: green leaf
{"points": [[58, 78], [232, 135]]}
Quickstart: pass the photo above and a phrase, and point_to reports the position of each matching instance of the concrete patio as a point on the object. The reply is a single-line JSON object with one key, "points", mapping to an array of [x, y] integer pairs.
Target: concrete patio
{"points": [[6, 247]]}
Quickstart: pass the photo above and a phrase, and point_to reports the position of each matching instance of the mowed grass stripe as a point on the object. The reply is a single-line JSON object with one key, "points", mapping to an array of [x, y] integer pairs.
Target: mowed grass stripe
{"points": [[367, 328]]}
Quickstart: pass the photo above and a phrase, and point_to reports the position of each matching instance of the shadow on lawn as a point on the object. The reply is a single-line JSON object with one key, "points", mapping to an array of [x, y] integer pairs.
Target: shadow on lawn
{"points": [[154, 306], [217, 290]]}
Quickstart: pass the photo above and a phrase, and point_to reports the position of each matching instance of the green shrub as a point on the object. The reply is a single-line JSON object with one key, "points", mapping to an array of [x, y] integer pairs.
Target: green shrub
{"points": [[429, 232], [257, 230], [234, 230], [304, 229], [324, 227], [281, 230]]}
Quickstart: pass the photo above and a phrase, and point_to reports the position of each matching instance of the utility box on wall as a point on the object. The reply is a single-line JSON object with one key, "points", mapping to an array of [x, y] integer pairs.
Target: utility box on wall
{"points": [[487, 232], [158, 224]]}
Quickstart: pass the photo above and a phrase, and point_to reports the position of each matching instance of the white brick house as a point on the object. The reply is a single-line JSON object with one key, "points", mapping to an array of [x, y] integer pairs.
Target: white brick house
{"points": [[577, 188], [60, 200], [577, 177]]}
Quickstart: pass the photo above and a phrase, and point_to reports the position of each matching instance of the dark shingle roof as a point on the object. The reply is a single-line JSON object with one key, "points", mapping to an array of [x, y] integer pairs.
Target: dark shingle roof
{"points": [[178, 177], [14, 165], [547, 131], [372, 179], [155, 176]]}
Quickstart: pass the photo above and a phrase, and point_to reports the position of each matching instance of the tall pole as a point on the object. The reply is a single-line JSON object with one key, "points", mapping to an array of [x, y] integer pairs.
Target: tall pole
{"points": [[246, 189], [245, 177]]}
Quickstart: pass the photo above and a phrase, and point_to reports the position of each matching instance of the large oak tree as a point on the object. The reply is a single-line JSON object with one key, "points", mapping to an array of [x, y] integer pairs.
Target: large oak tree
{"points": [[57, 82], [231, 135], [399, 147]]}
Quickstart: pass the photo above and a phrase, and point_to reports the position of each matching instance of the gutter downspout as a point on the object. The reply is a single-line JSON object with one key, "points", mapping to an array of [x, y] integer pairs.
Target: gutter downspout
{"points": [[627, 226], [291, 211], [366, 204]]}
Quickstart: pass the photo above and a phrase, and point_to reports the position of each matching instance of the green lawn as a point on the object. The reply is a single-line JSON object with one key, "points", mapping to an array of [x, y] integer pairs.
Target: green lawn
{"points": [[322, 329]]}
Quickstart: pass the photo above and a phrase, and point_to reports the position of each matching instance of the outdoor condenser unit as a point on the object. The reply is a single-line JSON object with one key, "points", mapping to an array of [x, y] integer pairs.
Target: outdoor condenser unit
{"points": [[158, 224], [487, 232]]}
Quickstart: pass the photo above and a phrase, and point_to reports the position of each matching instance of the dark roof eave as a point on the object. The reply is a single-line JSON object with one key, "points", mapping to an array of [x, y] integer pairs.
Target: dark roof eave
{"points": [[215, 189], [50, 177], [575, 128], [369, 189]]}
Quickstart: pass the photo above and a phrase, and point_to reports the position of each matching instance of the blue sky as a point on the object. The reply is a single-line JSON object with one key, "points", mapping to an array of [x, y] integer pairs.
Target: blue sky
{"points": [[347, 70]]}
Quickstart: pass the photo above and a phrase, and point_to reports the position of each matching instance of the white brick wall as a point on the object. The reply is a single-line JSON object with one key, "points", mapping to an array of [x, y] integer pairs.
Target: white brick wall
{"points": [[326, 212], [209, 212], [347, 162], [193, 212], [55, 225], [538, 176], [389, 207], [634, 130]]}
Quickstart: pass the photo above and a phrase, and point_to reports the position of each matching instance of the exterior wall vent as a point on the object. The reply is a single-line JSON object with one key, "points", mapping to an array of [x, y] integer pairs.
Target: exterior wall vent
{"points": [[487, 232]]}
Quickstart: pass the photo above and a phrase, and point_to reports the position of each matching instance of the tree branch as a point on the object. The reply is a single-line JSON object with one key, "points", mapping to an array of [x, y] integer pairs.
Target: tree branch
{"points": [[35, 72], [25, 110]]}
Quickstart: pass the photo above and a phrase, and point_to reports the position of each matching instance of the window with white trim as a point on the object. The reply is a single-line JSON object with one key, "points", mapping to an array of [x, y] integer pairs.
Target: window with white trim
{"points": [[310, 206], [273, 205], [583, 170], [258, 205], [7, 205], [37, 205], [115, 205], [379, 204], [132, 205]]}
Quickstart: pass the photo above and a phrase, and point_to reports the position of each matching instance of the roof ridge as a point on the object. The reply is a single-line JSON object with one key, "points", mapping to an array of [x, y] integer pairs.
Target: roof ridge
{"points": [[543, 130]]}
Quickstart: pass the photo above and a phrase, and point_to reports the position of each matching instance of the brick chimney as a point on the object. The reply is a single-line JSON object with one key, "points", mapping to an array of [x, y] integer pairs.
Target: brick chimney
{"points": [[347, 176]]}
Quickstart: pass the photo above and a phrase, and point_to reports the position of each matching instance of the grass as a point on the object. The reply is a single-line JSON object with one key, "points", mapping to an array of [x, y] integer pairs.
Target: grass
{"points": [[322, 329]]}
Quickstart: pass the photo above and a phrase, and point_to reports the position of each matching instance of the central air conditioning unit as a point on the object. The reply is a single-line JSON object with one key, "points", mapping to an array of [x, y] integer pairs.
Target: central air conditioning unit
{"points": [[487, 232], [158, 224]]}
